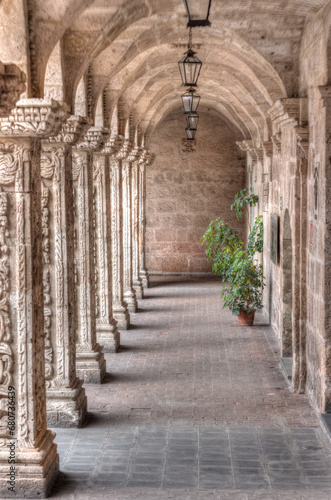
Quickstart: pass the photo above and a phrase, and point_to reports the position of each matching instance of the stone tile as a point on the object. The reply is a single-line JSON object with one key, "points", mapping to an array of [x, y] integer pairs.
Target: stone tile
{"points": [[211, 424]]}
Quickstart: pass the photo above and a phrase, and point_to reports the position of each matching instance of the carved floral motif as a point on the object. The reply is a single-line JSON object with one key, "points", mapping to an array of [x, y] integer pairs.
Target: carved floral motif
{"points": [[49, 370]]}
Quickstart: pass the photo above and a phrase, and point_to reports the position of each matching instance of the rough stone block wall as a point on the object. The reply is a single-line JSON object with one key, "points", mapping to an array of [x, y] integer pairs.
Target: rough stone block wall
{"points": [[188, 185]]}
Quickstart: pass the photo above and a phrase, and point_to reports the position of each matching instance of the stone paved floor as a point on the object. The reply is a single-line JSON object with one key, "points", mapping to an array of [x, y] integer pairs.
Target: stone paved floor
{"points": [[194, 407]]}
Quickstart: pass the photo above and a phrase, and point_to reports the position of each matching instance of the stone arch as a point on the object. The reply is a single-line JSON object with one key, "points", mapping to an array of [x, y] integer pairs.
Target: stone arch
{"points": [[80, 107], [286, 339], [53, 86]]}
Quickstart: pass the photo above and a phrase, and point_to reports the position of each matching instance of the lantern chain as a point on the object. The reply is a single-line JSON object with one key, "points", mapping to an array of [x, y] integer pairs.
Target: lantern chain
{"points": [[190, 39]]}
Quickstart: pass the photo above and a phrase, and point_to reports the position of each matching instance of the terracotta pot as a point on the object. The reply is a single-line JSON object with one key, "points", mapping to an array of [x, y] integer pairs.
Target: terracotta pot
{"points": [[245, 319]]}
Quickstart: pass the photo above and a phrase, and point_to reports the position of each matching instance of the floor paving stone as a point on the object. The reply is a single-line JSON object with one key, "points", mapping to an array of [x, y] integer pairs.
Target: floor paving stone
{"points": [[194, 407]]}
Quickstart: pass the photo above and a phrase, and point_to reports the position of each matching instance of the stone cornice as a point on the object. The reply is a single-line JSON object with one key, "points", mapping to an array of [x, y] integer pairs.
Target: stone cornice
{"points": [[72, 130], [286, 112], [34, 118], [94, 139], [12, 84]]}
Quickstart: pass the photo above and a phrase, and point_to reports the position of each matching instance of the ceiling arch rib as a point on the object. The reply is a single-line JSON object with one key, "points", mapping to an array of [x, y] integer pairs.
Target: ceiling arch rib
{"points": [[137, 78], [238, 57], [149, 124], [144, 88], [211, 93], [240, 121], [246, 85]]}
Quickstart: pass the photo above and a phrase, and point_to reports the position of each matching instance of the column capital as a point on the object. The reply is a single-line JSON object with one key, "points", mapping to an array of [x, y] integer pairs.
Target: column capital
{"points": [[325, 94], [112, 145], [247, 146], [125, 150], [144, 156], [38, 118], [12, 84], [292, 111], [94, 139], [150, 159], [72, 130], [135, 153]]}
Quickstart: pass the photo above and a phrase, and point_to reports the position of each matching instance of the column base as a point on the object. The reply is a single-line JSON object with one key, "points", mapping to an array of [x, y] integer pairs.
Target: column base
{"points": [[138, 288], [108, 336], [130, 299], [144, 278], [66, 406], [36, 469], [122, 316], [90, 365]]}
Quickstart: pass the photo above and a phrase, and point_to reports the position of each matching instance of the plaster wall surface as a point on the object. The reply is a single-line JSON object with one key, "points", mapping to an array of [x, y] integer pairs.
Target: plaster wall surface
{"points": [[188, 185]]}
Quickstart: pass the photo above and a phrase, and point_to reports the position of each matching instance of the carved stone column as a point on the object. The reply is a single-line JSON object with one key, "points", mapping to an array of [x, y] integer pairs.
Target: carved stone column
{"points": [[146, 159], [107, 333], [22, 362], [120, 309], [129, 294], [66, 399], [136, 280], [90, 362]]}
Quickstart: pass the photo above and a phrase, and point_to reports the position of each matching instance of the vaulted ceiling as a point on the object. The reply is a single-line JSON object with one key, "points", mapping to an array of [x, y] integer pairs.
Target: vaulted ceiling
{"points": [[130, 50]]}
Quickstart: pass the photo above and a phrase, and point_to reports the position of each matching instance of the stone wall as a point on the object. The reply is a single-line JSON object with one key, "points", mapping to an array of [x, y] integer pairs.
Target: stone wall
{"points": [[188, 186], [315, 74]]}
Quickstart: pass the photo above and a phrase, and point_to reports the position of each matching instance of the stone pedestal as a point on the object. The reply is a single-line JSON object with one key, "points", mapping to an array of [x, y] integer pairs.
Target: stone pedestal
{"points": [[22, 361], [66, 399], [107, 333], [90, 362], [120, 310], [136, 280]]}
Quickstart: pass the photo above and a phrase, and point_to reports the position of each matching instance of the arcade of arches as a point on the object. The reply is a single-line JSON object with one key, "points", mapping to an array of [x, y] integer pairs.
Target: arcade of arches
{"points": [[98, 185]]}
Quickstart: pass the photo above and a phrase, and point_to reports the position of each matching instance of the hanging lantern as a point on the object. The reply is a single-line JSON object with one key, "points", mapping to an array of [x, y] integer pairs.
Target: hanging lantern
{"points": [[197, 12], [192, 121], [190, 134], [189, 66], [190, 101]]}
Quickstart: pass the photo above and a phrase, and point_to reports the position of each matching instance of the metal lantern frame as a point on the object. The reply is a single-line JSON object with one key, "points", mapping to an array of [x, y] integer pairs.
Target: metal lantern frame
{"points": [[192, 121], [190, 66], [190, 101], [193, 20], [190, 134]]}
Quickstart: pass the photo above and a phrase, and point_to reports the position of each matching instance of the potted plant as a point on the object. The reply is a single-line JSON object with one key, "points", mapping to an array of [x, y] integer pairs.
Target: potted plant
{"points": [[236, 265], [244, 293]]}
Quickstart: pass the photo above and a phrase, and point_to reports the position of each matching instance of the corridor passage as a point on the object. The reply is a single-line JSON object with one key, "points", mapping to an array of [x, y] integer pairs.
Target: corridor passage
{"points": [[194, 407]]}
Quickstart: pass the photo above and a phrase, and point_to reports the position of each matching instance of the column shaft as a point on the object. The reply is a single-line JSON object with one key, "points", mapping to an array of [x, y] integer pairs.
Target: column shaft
{"points": [[136, 280], [66, 399], [22, 362], [143, 273], [129, 294], [120, 310], [107, 333], [91, 365]]}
